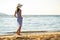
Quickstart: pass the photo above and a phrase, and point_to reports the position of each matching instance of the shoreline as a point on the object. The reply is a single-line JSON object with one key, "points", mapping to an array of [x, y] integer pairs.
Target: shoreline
{"points": [[33, 31]]}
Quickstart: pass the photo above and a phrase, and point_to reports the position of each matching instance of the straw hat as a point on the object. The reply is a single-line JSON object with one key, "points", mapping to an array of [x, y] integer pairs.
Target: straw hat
{"points": [[19, 5]]}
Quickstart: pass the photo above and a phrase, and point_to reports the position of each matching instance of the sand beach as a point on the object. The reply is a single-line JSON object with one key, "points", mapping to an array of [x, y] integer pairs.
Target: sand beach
{"points": [[32, 35]]}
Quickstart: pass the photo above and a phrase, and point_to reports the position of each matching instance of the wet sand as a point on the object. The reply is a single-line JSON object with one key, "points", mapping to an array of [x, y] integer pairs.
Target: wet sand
{"points": [[33, 35]]}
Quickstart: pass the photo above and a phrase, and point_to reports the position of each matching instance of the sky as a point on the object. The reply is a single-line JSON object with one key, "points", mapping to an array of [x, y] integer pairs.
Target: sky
{"points": [[31, 7]]}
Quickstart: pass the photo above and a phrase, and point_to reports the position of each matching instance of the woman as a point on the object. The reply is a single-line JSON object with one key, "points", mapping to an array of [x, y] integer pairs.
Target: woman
{"points": [[19, 18]]}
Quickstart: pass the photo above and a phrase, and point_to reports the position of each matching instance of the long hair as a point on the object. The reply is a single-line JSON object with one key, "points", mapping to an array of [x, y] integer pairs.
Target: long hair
{"points": [[17, 10]]}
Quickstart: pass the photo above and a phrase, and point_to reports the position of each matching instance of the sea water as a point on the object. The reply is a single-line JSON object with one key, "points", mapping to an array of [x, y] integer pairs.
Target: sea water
{"points": [[31, 23]]}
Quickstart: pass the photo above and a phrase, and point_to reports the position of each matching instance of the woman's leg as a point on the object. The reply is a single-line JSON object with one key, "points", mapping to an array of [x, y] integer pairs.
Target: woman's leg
{"points": [[20, 25], [19, 30]]}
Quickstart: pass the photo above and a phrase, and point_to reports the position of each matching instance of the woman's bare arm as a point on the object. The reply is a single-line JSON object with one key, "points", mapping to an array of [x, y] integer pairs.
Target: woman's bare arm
{"points": [[15, 14]]}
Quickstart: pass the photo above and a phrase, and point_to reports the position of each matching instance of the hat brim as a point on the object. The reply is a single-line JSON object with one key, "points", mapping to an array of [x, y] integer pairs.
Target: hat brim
{"points": [[19, 5]]}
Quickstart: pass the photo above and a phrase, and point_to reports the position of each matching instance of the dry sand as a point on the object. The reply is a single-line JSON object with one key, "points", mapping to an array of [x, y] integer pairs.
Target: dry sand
{"points": [[32, 36]]}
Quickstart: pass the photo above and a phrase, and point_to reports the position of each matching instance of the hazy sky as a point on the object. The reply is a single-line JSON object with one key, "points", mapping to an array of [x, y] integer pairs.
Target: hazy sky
{"points": [[33, 7]]}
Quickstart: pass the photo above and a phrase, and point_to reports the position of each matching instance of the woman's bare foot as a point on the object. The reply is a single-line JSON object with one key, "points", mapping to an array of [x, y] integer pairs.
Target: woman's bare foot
{"points": [[18, 33]]}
